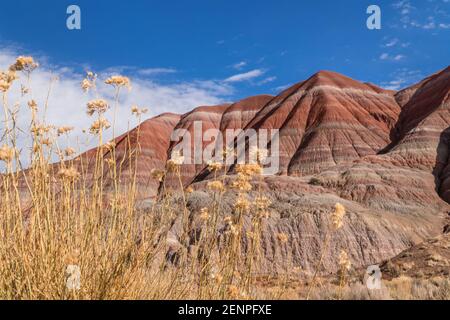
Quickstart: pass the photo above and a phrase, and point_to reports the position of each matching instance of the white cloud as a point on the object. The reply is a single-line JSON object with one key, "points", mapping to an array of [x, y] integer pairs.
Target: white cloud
{"points": [[391, 43], [155, 71], [135, 71], [410, 16], [402, 78], [245, 76], [404, 7], [267, 80], [239, 65], [67, 102], [387, 56]]}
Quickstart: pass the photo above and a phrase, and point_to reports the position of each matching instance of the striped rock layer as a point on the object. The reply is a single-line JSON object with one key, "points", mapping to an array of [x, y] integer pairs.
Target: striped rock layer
{"points": [[383, 154]]}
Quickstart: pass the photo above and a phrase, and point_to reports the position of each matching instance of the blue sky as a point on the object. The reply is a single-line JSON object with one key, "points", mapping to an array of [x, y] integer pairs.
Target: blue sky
{"points": [[233, 49]]}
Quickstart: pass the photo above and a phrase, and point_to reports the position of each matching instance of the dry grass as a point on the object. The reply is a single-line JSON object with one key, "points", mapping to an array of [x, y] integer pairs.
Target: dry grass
{"points": [[76, 215]]}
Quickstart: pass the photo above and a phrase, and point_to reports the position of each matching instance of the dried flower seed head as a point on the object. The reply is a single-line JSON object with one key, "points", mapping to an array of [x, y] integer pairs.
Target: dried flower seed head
{"points": [[23, 90], [262, 203], [228, 220], [68, 174], [158, 174], [204, 214], [40, 130], [99, 106], [6, 154], [4, 86], [119, 81], [344, 261], [242, 204], [68, 152], [232, 229], [138, 111], [337, 216], [175, 161], [86, 85], [242, 183], [214, 166], [109, 145], [32, 105], [64, 130], [99, 125], [24, 63], [249, 169], [177, 158], [216, 186], [6, 80]]}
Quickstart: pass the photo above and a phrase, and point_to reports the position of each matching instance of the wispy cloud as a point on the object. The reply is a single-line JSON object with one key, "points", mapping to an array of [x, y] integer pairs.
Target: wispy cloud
{"points": [[389, 57], [155, 71], [404, 6], [434, 17], [391, 43], [267, 80], [402, 78], [132, 70], [245, 76], [239, 65]]}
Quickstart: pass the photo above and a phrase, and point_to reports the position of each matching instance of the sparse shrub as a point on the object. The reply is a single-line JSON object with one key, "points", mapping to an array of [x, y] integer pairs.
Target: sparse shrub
{"points": [[315, 181]]}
